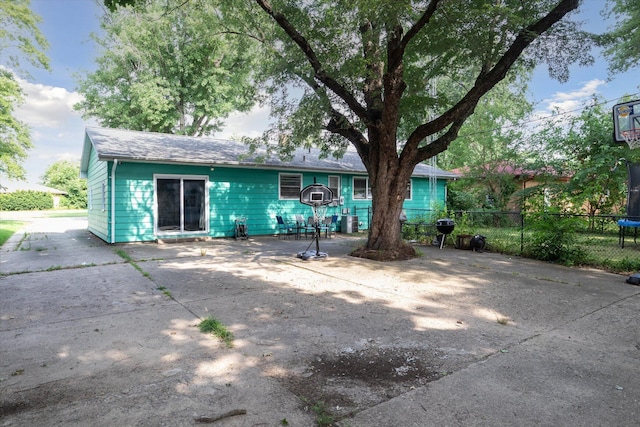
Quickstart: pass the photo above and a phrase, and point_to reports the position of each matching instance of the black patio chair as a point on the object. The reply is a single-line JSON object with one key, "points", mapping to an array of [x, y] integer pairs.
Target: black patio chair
{"points": [[284, 229]]}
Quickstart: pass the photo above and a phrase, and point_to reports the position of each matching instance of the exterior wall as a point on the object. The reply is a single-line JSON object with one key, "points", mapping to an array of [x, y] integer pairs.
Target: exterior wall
{"points": [[99, 197], [233, 192]]}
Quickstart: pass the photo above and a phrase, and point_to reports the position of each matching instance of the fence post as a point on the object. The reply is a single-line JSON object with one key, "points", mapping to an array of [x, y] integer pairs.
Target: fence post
{"points": [[521, 232]]}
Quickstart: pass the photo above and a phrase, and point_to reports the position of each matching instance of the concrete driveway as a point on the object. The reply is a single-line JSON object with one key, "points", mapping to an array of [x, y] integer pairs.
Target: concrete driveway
{"points": [[94, 334]]}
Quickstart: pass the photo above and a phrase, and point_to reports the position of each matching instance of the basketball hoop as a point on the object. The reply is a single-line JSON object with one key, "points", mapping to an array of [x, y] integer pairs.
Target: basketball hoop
{"points": [[632, 137], [318, 196]]}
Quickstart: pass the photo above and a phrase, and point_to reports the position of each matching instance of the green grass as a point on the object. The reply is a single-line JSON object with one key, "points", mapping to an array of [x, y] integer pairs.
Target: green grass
{"points": [[8, 229], [324, 419], [602, 250], [215, 327], [125, 256], [165, 291]]}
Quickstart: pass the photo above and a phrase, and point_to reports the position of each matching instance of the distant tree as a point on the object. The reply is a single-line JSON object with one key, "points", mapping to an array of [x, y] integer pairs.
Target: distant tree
{"points": [[489, 146], [582, 149], [65, 175], [14, 135], [171, 67], [20, 39]]}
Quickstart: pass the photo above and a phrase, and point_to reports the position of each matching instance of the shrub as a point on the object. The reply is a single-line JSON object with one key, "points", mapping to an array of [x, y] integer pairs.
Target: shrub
{"points": [[25, 201], [553, 240]]}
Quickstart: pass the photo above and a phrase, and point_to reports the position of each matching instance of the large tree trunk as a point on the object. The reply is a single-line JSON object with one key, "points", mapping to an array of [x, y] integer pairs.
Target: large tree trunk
{"points": [[388, 179], [384, 229]]}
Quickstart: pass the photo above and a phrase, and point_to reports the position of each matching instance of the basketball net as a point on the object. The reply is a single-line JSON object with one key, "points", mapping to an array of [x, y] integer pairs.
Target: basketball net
{"points": [[319, 213], [632, 137]]}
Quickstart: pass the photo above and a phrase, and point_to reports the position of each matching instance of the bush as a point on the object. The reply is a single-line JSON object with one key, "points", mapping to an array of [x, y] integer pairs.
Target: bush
{"points": [[26, 201], [553, 240], [460, 200]]}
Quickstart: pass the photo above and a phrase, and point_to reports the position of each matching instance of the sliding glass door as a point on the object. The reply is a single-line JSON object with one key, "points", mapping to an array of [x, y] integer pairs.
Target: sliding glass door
{"points": [[181, 204]]}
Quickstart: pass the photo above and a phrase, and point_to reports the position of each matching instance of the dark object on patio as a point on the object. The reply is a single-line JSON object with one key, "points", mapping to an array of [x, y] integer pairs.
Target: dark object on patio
{"points": [[634, 279], [444, 226], [240, 231], [284, 229], [463, 241], [478, 243]]}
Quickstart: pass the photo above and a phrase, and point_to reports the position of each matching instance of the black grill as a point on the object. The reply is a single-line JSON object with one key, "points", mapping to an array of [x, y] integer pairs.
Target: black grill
{"points": [[445, 226]]}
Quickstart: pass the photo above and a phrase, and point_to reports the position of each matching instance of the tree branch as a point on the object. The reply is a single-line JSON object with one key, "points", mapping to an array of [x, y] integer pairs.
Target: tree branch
{"points": [[313, 60], [340, 125], [488, 78], [421, 23]]}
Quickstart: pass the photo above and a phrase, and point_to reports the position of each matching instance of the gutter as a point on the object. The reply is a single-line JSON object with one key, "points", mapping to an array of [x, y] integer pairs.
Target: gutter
{"points": [[113, 201]]}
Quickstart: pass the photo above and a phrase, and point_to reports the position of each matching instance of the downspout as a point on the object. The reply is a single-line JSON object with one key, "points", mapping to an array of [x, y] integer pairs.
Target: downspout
{"points": [[113, 201]]}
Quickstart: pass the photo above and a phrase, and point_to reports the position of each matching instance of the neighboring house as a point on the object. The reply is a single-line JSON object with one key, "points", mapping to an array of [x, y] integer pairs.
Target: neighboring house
{"points": [[521, 178], [13, 186], [146, 186]]}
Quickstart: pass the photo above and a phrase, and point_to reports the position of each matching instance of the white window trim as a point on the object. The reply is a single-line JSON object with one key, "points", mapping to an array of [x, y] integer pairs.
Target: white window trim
{"points": [[410, 187], [339, 178], [367, 190], [204, 178], [280, 175]]}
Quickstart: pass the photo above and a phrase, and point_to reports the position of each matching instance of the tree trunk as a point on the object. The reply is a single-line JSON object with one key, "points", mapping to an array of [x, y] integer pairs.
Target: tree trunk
{"points": [[384, 229], [388, 178]]}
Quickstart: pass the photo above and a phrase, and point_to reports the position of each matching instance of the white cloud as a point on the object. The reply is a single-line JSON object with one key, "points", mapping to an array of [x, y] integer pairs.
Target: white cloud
{"points": [[57, 131], [563, 102], [250, 124], [47, 106]]}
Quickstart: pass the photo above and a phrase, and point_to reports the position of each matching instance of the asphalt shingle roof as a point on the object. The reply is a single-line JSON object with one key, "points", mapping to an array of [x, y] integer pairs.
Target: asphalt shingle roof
{"points": [[150, 147]]}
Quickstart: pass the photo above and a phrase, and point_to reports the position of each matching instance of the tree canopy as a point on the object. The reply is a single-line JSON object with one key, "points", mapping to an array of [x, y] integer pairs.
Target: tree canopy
{"points": [[20, 39], [580, 147], [171, 67], [622, 41]]}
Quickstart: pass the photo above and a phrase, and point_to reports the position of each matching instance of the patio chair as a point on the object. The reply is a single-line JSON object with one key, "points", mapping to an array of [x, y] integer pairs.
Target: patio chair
{"points": [[309, 227], [284, 229], [300, 226], [329, 226]]}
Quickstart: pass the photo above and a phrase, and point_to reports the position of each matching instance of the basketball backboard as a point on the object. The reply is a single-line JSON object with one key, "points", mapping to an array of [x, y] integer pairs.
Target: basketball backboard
{"points": [[316, 195], [626, 121]]}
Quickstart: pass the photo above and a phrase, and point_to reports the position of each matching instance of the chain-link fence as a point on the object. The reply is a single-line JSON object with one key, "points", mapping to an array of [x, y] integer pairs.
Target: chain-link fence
{"points": [[569, 239]]}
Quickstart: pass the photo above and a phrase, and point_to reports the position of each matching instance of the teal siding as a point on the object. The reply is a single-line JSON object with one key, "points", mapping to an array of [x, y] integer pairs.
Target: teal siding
{"points": [[233, 192], [99, 197], [134, 206]]}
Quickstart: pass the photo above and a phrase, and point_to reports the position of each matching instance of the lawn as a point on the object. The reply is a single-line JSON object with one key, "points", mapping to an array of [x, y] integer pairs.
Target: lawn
{"points": [[602, 250], [8, 228]]}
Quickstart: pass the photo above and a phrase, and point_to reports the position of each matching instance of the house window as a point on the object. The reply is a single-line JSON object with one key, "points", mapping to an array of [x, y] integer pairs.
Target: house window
{"points": [[361, 189], [290, 186], [90, 203], [334, 186], [103, 196], [407, 195], [181, 204]]}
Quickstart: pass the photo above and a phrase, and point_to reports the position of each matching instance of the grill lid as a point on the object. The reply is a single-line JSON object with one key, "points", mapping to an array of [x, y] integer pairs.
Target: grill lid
{"points": [[445, 222]]}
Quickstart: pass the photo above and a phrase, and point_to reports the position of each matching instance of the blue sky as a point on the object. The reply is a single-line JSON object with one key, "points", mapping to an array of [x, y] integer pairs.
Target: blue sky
{"points": [[58, 131]]}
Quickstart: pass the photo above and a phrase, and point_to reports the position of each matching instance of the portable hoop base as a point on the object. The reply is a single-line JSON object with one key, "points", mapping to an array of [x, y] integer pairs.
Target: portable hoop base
{"points": [[307, 255]]}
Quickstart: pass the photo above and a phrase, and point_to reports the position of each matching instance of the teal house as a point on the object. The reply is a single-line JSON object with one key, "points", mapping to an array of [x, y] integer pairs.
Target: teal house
{"points": [[145, 186]]}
